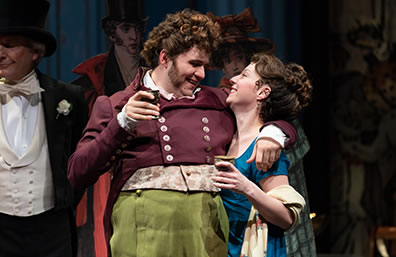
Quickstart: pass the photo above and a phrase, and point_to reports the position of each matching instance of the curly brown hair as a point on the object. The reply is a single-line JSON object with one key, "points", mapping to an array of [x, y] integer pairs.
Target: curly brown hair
{"points": [[178, 33], [291, 89]]}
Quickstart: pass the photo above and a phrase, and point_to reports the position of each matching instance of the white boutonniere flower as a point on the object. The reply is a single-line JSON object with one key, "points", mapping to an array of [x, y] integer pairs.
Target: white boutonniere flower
{"points": [[64, 107]]}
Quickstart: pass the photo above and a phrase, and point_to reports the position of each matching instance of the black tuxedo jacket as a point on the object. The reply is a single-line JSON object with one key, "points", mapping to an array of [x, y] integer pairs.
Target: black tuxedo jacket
{"points": [[63, 131]]}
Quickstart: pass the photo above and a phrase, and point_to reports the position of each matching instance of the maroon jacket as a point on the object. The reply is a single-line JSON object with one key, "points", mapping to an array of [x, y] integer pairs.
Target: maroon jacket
{"points": [[106, 145]]}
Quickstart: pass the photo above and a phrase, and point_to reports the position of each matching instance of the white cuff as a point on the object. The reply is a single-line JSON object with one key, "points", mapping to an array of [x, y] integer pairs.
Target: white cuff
{"points": [[126, 122], [275, 133]]}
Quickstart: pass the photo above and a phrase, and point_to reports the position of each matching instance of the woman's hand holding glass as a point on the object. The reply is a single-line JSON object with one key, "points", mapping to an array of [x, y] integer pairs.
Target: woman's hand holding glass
{"points": [[232, 179]]}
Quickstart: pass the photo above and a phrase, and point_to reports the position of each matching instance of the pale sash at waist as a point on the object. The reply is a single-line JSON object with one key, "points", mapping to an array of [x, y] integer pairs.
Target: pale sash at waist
{"points": [[179, 178]]}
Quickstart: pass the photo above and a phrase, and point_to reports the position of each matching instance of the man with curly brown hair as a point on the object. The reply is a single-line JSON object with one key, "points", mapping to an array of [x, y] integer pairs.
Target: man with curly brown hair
{"points": [[162, 201]]}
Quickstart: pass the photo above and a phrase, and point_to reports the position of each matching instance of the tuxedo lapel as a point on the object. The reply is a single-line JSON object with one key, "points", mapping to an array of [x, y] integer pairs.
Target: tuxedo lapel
{"points": [[49, 97], [56, 128]]}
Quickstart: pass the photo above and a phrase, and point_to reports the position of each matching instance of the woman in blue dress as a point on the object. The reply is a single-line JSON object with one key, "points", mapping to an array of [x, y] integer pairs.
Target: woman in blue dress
{"points": [[265, 90]]}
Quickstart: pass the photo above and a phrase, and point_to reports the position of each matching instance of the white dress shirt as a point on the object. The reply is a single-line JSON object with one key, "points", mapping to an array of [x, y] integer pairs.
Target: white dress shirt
{"points": [[20, 116]]}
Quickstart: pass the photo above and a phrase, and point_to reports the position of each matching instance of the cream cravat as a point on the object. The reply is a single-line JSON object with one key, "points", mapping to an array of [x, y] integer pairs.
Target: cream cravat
{"points": [[24, 86]]}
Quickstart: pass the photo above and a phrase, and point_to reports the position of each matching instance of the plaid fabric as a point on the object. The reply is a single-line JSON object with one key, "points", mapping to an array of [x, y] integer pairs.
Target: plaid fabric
{"points": [[300, 241]]}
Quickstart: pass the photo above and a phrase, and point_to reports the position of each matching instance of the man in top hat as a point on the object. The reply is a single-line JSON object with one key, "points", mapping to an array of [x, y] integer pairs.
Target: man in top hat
{"points": [[106, 74], [113, 71], [41, 121], [232, 56]]}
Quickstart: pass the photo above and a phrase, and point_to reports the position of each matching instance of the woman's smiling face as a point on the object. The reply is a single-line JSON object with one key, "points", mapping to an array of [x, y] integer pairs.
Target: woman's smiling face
{"points": [[244, 88]]}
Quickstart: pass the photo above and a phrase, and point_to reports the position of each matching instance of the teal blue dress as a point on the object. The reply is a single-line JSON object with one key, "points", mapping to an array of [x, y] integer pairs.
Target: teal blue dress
{"points": [[238, 206]]}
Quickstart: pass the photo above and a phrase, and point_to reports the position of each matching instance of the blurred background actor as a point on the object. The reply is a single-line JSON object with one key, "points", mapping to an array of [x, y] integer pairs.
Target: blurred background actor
{"points": [[106, 74], [236, 47]]}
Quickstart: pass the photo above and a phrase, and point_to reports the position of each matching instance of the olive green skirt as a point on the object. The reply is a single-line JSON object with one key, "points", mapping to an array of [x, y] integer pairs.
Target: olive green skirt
{"points": [[156, 223]]}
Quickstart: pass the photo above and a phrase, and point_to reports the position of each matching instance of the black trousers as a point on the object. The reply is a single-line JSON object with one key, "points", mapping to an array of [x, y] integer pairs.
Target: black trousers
{"points": [[49, 234]]}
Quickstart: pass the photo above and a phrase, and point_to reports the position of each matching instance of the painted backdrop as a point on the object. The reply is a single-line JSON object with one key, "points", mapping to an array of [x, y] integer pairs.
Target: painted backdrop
{"points": [[363, 118], [76, 25]]}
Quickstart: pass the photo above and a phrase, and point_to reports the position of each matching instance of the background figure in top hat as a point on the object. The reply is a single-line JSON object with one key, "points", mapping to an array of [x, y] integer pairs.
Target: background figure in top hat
{"points": [[41, 120], [106, 74], [231, 57], [111, 72]]}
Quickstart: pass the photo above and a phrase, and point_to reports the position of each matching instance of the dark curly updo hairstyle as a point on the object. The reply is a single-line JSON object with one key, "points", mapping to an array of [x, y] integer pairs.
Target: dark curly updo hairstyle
{"points": [[291, 89], [178, 33]]}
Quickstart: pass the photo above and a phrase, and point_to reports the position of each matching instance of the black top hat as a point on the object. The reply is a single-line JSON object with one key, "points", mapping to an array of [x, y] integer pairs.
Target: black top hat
{"points": [[27, 18], [131, 11]]}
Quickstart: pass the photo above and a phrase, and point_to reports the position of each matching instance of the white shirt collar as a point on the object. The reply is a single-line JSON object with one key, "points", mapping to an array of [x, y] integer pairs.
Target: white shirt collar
{"points": [[149, 83]]}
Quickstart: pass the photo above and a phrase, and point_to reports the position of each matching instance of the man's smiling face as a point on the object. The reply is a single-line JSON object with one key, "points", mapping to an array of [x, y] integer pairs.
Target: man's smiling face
{"points": [[187, 71]]}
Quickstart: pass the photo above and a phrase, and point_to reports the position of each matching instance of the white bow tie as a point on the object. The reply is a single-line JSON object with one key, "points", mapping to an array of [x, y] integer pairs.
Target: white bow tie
{"points": [[24, 87]]}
